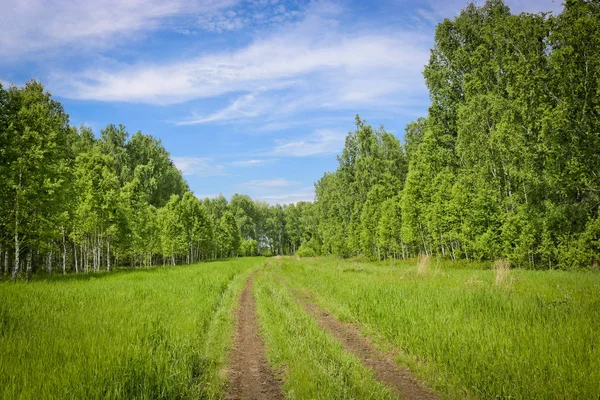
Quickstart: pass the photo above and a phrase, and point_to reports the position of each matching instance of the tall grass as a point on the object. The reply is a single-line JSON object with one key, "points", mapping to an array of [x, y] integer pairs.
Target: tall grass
{"points": [[156, 334], [423, 265], [465, 334], [502, 270], [315, 365]]}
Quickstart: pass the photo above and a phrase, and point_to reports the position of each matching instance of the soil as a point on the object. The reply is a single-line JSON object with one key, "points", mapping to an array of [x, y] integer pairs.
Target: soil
{"points": [[399, 380], [250, 376]]}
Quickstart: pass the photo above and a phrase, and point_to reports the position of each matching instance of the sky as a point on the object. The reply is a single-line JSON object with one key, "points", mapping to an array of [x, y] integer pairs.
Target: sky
{"points": [[251, 97]]}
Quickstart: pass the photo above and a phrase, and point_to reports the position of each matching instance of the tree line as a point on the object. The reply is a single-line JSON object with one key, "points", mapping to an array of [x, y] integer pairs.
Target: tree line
{"points": [[79, 203], [505, 165]]}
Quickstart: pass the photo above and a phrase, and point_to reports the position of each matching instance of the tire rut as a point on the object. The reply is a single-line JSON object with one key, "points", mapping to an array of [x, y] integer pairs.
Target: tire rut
{"points": [[399, 380], [250, 376]]}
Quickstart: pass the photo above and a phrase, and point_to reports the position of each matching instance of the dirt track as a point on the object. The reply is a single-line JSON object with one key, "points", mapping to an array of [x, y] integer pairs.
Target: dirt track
{"points": [[250, 376], [401, 381]]}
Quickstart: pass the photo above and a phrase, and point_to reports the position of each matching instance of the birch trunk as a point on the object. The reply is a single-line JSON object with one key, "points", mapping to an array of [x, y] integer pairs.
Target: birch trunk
{"points": [[17, 241], [17, 252], [108, 255], [423, 239], [64, 254], [442, 243], [75, 258], [49, 263], [29, 266]]}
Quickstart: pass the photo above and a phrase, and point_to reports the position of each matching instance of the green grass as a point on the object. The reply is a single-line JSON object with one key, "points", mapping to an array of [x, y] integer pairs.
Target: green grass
{"points": [[153, 334], [315, 366], [165, 332], [535, 336]]}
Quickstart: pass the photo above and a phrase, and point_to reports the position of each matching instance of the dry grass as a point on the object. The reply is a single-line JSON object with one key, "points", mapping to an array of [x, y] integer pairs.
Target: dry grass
{"points": [[473, 281], [502, 269], [423, 265]]}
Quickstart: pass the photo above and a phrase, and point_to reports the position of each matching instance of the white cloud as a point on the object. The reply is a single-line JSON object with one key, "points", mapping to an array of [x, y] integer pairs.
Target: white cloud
{"points": [[250, 13], [202, 167], [320, 143], [252, 163], [320, 63], [33, 26], [268, 183], [242, 107]]}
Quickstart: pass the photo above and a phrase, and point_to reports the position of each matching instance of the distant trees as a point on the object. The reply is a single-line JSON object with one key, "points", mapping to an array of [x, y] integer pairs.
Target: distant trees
{"points": [[81, 203], [506, 162]]}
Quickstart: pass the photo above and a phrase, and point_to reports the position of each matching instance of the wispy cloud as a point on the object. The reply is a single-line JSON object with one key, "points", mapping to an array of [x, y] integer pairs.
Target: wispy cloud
{"points": [[202, 167], [252, 163], [268, 183], [316, 52], [33, 26], [242, 107], [251, 13], [319, 143]]}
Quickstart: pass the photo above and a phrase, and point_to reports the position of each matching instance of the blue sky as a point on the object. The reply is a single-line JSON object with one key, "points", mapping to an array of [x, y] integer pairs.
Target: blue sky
{"points": [[251, 97]]}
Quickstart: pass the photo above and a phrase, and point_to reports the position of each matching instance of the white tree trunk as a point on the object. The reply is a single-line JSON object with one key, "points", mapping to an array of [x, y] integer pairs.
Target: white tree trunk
{"points": [[17, 252], [49, 263], [108, 255], [75, 258], [64, 255], [17, 241], [29, 266]]}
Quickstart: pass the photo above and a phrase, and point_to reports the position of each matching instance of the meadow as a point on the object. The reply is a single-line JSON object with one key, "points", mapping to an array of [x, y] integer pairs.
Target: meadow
{"points": [[161, 333], [315, 365], [465, 329]]}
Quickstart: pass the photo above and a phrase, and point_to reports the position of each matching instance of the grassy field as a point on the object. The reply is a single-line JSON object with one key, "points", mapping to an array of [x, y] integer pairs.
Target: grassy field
{"points": [[165, 333], [155, 334], [533, 335], [315, 365]]}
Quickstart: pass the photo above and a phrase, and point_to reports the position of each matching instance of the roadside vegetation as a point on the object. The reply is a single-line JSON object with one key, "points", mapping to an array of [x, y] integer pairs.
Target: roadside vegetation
{"points": [[467, 331], [154, 334]]}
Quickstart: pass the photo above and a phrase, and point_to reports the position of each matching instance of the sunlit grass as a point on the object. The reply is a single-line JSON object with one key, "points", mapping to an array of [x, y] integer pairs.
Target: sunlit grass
{"points": [[160, 333], [315, 365], [535, 335]]}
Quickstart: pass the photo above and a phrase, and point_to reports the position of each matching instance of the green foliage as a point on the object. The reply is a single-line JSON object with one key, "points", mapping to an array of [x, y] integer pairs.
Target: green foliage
{"points": [[93, 203], [503, 165], [228, 236]]}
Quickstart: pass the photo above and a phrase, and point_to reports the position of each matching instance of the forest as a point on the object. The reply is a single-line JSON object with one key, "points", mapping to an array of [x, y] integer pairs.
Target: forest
{"points": [[504, 165], [76, 202]]}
